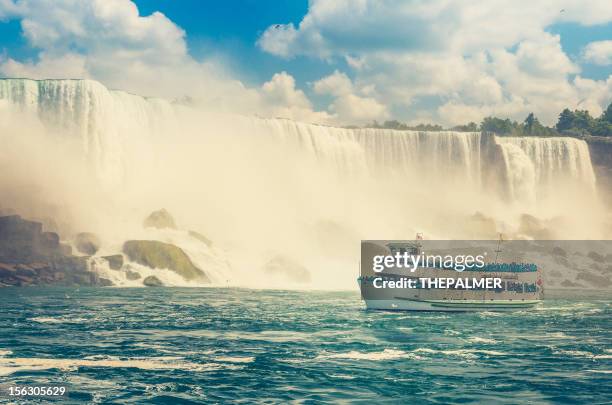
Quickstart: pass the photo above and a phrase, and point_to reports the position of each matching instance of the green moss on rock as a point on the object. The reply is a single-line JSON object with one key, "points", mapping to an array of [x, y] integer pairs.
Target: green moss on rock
{"points": [[159, 255]]}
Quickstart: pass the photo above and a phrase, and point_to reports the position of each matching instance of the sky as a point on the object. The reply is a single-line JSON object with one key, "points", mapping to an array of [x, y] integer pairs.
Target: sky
{"points": [[341, 62]]}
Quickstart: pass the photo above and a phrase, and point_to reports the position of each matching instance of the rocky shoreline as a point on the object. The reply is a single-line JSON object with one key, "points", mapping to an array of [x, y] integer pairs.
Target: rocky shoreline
{"points": [[29, 256]]}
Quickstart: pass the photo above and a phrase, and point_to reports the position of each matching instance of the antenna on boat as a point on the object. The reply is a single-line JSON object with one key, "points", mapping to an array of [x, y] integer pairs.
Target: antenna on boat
{"points": [[419, 237], [498, 250]]}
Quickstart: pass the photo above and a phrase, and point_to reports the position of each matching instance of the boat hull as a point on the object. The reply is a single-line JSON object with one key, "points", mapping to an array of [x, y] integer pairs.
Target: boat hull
{"points": [[399, 304]]}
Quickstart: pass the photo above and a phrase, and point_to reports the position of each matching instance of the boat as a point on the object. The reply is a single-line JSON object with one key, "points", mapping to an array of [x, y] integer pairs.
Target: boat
{"points": [[491, 286]]}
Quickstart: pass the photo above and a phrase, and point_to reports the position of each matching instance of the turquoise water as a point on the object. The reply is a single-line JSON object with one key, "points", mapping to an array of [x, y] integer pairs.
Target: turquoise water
{"points": [[220, 345]]}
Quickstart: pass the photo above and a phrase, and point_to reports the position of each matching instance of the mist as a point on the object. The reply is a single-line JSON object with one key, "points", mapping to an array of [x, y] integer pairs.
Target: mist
{"points": [[79, 157]]}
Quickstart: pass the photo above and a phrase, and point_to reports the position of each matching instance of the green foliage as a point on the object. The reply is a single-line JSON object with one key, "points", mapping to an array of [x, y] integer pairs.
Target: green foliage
{"points": [[566, 119], [607, 115], [471, 127], [394, 124], [576, 123], [580, 123], [533, 126], [499, 126]]}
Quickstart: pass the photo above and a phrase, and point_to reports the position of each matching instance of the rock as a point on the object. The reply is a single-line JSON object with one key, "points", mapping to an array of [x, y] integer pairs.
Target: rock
{"points": [[29, 256], [132, 275], [23, 241], [201, 238], [24, 280], [38, 267], [115, 262], [160, 219], [534, 227], [104, 282], [85, 278], [559, 251], [159, 255], [570, 284], [287, 268], [87, 243], [562, 260], [71, 264], [7, 270], [596, 257], [480, 224], [24, 270], [152, 281], [594, 279]]}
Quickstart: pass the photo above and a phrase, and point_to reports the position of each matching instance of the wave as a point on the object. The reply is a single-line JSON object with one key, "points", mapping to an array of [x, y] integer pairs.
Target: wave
{"points": [[464, 353], [230, 359], [478, 339], [12, 365], [582, 353], [386, 354], [417, 354], [58, 320]]}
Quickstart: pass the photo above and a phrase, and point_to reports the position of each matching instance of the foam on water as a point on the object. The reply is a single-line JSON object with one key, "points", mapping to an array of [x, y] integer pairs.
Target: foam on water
{"points": [[386, 354], [10, 365]]}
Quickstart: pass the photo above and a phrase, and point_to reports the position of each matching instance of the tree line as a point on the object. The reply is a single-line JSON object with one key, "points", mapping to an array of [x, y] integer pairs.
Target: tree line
{"points": [[578, 123]]}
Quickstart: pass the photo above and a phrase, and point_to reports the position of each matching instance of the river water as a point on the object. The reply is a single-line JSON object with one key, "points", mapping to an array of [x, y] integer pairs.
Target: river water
{"points": [[191, 345]]}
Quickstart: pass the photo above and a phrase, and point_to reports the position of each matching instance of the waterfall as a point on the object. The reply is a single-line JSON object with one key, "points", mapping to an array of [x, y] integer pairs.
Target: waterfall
{"points": [[267, 185], [535, 165], [105, 121], [101, 119]]}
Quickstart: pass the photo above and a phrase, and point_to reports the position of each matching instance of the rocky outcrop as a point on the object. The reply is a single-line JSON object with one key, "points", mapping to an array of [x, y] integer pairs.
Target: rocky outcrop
{"points": [[160, 220], [201, 238], [159, 255], [534, 228], [29, 256], [132, 275], [152, 281], [87, 243], [287, 269], [594, 280], [23, 241], [115, 262]]}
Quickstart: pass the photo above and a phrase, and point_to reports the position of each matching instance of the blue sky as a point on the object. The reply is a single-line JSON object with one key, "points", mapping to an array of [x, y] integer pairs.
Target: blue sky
{"points": [[231, 29], [334, 62]]}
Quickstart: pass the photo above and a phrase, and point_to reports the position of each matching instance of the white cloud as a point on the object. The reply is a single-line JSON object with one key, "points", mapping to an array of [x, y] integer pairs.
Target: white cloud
{"points": [[450, 61], [599, 52], [355, 26], [350, 105], [336, 84], [285, 101], [107, 40]]}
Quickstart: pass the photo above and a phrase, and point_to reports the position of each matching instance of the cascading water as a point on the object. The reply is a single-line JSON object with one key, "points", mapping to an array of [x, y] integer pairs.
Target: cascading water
{"points": [[541, 162], [269, 186]]}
